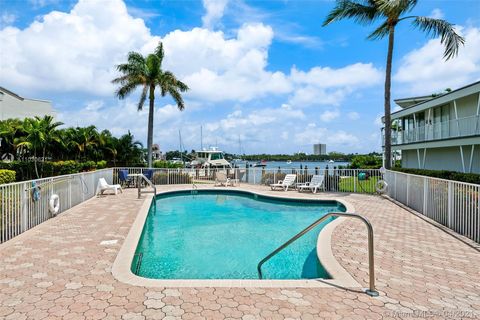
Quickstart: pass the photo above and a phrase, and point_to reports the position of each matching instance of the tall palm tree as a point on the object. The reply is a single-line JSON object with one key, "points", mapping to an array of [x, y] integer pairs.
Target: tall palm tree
{"points": [[391, 12], [146, 72]]}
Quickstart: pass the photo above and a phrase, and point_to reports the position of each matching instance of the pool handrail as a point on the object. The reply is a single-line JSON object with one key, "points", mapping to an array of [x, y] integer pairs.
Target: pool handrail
{"points": [[371, 291]]}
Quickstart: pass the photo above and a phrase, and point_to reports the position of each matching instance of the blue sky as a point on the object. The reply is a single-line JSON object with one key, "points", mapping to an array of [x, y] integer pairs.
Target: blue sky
{"points": [[264, 72]]}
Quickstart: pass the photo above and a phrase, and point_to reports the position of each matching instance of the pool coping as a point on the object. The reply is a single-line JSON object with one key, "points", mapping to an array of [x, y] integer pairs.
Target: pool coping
{"points": [[340, 277]]}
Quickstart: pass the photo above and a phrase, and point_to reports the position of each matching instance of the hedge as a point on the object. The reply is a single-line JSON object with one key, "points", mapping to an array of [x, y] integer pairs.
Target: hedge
{"points": [[443, 174], [7, 176], [25, 170]]}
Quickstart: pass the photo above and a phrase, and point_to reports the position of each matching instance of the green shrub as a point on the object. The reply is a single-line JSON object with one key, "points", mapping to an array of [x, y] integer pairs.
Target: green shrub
{"points": [[365, 162], [176, 177], [443, 174], [7, 176], [25, 170], [102, 164], [166, 164], [88, 165]]}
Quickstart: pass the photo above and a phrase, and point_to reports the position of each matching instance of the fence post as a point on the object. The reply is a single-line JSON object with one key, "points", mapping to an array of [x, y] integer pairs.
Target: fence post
{"points": [[425, 195], [355, 178], [408, 190], [450, 204], [24, 201]]}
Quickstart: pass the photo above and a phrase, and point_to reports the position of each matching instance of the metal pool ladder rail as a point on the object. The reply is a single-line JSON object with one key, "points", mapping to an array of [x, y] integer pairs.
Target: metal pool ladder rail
{"points": [[371, 290], [150, 183]]}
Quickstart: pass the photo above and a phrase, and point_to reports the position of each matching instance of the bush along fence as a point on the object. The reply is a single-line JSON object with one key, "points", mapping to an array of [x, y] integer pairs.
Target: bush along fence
{"points": [[26, 204]]}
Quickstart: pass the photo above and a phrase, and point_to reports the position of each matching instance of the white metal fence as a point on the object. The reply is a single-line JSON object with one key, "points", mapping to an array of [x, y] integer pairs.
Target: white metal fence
{"points": [[338, 180], [453, 204], [23, 207], [450, 203]]}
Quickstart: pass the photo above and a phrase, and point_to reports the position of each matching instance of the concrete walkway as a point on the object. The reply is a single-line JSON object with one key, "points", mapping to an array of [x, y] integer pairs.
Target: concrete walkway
{"points": [[61, 269]]}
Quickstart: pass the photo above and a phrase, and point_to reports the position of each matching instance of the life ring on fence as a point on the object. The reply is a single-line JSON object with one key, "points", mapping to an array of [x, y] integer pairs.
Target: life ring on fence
{"points": [[381, 186], [54, 204]]}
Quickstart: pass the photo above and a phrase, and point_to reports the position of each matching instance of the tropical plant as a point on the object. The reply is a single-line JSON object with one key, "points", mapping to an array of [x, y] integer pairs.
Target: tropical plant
{"points": [[146, 72], [392, 12], [39, 132]]}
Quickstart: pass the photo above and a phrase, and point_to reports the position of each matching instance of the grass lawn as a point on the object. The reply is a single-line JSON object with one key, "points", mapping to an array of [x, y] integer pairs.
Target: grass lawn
{"points": [[367, 186]]}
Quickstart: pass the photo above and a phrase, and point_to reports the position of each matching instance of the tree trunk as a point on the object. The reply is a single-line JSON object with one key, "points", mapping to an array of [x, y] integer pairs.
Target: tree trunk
{"points": [[150, 126], [35, 163], [388, 85]]}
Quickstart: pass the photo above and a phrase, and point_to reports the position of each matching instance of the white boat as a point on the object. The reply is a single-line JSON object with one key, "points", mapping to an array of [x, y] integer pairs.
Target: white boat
{"points": [[212, 158], [289, 161], [331, 161], [260, 164]]}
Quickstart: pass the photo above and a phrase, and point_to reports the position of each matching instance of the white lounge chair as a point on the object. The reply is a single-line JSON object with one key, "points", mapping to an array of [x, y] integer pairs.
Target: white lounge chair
{"points": [[287, 182], [103, 186], [222, 179], [314, 184]]}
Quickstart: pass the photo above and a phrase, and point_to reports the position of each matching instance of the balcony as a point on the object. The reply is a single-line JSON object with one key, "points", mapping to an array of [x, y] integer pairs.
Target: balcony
{"points": [[463, 127]]}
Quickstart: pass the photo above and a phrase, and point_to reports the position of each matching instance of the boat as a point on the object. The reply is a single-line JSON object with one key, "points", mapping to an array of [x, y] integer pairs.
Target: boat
{"points": [[289, 161], [212, 158], [331, 161], [262, 163]]}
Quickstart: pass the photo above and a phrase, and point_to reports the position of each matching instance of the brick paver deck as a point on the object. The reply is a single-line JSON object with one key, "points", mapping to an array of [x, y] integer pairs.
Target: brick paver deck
{"points": [[60, 270]]}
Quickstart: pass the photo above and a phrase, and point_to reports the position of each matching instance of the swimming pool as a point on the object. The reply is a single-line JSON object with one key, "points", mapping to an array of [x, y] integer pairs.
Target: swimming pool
{"points": [[224, 234]]}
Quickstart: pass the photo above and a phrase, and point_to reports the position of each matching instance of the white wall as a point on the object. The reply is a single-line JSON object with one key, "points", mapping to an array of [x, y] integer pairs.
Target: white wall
{"points": [[448, 158], [12, 107]]}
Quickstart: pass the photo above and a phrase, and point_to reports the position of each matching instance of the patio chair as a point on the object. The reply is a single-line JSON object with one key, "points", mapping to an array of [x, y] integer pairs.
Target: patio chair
{"points": [[103, 186], [222, 179], [148, 173], [125, 180], [287, 182], [314, 184]]}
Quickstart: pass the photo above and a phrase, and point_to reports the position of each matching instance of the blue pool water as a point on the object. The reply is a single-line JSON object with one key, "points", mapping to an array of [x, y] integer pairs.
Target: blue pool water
{"points": [[223, 235]]}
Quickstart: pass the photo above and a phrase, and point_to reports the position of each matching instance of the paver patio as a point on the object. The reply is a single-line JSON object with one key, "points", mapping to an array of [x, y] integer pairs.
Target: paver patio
{"points": [[61, 270]]}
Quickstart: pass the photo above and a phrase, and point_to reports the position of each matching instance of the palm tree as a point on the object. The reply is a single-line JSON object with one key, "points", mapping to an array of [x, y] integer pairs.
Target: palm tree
{"points": [[392, 12], [85, 139], [146, 72]]}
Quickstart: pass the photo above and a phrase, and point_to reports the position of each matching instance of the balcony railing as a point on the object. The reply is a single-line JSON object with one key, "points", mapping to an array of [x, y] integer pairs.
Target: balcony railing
{"points": [[463, 127]]}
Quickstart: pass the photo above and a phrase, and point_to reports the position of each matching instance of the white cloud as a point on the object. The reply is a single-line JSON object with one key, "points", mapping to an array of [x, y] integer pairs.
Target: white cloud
{"points": [[353, 115], [328, 86], [74, 51], [329, 115], [214, 12], [437, 14], [424, 71]]}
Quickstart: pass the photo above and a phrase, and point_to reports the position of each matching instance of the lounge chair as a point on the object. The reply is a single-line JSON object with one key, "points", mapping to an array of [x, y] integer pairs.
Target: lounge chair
{"points": [[125, 180], [287, 182], [148, 173], [222, 179], [314, 184], [103, 186]]}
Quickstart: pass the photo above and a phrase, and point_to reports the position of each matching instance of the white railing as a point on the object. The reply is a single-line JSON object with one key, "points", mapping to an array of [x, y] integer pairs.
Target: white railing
{"points": [[338, 180], [21, 210], [462, 127], [453, 204]]}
